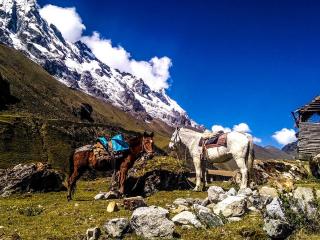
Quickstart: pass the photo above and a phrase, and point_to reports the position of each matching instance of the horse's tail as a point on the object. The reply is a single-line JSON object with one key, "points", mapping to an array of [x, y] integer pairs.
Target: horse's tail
{"points": [[70, 186], [250, 155]]}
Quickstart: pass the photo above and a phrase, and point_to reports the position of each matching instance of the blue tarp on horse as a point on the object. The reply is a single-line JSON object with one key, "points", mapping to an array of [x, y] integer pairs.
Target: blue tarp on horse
{"points": [[119, 144]]}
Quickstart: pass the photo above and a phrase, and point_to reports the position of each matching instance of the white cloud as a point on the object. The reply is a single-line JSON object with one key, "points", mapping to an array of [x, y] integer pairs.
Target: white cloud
{"points": [[241, 127], [216, 128], [67, 20], [154, 72], [257, 140], [285, 136]]}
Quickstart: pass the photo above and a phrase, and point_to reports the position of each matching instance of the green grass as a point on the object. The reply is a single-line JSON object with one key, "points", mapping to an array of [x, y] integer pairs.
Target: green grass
{"points": [[50, 216]]}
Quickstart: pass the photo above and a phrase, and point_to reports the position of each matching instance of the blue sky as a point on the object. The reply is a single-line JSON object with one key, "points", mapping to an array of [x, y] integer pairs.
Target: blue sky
{"points": [[232, 61]]}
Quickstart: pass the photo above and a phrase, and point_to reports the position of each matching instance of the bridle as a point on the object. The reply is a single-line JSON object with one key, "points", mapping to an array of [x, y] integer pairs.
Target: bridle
{"points": [[144, 149], [177, 138]]}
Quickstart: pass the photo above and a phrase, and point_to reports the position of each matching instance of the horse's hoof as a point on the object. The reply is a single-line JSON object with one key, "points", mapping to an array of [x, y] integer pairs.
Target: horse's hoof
{"points": [[68, 198], [196, 189]]}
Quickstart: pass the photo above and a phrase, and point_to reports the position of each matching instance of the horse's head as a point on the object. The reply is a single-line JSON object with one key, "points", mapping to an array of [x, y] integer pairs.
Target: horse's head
{"points": [[147, 144], [175, 139]]}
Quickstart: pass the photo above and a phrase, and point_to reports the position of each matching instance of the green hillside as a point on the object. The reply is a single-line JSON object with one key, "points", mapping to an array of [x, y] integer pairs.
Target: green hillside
{"points": [[40, 120]]}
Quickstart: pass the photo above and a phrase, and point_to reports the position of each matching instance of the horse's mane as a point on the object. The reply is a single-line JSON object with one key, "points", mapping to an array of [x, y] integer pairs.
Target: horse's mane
{"points": [[134, 140]]}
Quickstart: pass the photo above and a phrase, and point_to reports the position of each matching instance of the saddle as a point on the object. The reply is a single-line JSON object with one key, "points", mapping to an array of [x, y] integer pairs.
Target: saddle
{"points": [[217, 139], [113, 148]]}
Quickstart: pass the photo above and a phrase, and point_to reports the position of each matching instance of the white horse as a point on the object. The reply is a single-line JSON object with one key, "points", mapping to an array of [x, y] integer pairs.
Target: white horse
{"points": [[239, 151]]}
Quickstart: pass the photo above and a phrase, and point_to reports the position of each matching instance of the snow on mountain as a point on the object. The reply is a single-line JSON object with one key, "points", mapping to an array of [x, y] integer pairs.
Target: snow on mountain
{"points": [[74, 64]]}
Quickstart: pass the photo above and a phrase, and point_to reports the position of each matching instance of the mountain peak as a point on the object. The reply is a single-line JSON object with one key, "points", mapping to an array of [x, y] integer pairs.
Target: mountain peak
{"points": [[74, 64]]}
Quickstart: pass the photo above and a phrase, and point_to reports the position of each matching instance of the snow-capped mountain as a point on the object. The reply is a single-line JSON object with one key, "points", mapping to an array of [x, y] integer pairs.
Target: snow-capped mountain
{"points": [[74, 64]]}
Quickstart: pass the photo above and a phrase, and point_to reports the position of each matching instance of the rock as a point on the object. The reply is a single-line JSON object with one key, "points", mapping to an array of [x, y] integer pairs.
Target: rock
{"points": [[180, 209], [192, 201], [305, 200], [214, 193], [112, 195], [31, 177], [117, 227], [181, 201], [186, 227], [211, 205], [232, 192], [206, 216], [318, 194], [152, 222], [161, 174], [112, 207], [76, 205], [245, 192], [134, 203], [253, 209], [234, 219], [268, 191], [99, 196], [274, 209], [232, 206], [277, 229], [93, 233], [205, 202], [303, 193], [187, 217]]}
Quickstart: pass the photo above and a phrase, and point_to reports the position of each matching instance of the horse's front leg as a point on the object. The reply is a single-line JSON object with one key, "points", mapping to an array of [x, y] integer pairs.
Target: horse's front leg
{"points": [[124, 167], [198, 168]]}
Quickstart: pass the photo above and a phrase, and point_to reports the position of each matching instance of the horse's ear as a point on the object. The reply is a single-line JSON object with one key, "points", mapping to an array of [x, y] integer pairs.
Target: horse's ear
{"points": [[151, 134], [145, 134]]}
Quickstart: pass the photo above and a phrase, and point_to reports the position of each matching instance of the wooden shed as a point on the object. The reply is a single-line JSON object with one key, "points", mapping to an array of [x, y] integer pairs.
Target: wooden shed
{"points": [[307, 119]]}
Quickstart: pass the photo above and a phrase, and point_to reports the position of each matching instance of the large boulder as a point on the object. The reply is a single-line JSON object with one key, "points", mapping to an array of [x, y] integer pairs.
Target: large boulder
{"points": [[232, 206], [161, 173], [152, 222], [216, 194], [274, 209], [117, 227], [31, 177], [206, 216], [266, 191], [133, 203], [305, 200], [277, 229], [187, 218]]}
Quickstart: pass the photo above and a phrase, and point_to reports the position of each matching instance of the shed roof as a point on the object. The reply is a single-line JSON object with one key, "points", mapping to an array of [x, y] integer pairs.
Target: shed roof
{"points": [[313, 106]]}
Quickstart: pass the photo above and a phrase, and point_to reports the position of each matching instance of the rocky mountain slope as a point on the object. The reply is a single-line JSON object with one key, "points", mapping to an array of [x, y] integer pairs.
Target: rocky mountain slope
{"points": [[270, 152], [291, 149], [73, 64], [43, 120]]}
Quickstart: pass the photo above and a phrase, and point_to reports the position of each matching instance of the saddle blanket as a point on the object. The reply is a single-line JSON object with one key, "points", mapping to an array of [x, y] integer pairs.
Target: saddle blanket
{"points": [[211, 140], [84, 148]]}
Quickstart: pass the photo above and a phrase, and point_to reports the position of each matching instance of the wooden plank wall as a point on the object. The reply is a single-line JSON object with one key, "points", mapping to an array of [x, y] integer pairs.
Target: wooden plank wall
{"points": [[309, 140]]}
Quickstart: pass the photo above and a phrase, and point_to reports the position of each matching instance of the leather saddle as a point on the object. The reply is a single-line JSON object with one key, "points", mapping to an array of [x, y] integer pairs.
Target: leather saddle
{"points": [[218, 139]]}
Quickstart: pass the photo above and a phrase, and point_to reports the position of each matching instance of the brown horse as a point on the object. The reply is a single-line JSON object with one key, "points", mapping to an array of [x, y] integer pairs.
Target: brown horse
{"points": [[81, 161]]}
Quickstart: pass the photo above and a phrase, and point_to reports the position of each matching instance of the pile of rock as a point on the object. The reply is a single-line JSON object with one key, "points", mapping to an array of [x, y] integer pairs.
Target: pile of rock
{"points": [[278, 173], [218, 208], [153, 222], [301, 202], [32, 177]]}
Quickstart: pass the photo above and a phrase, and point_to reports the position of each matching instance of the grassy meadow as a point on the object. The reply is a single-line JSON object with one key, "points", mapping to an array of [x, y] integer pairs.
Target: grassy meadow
{"points": [[50, 216]]}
